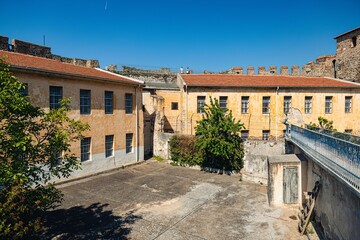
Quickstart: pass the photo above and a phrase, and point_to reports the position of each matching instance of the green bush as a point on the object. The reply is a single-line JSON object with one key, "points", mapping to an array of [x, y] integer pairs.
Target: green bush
{"points": [[183, 152]]}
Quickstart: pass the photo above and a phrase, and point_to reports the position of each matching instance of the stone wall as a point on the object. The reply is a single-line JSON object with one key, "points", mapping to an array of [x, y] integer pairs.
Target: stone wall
{"points": [[323, 66], [42, 51], [348, 56]]}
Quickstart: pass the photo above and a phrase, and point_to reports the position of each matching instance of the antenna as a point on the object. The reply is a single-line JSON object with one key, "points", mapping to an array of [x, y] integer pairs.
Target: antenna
{"points": [[44, 39]]}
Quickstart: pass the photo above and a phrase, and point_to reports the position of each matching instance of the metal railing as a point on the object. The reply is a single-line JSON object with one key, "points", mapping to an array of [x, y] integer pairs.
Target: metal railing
{"points": [[337, 155]]}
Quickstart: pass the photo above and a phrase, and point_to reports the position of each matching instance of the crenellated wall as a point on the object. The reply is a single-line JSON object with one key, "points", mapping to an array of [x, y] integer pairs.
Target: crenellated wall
{"points": [[42, 51], [323, 66]]}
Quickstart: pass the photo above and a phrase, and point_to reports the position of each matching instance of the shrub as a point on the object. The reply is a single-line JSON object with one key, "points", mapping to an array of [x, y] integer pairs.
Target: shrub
{"points": [[183, 151]]}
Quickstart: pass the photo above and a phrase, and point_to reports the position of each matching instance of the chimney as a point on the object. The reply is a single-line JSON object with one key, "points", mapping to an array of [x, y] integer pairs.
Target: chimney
{"points": [[4, 43], [250, 70], [237, 70], [261, 70], [295, 70], [284, 70], [273, 70]]}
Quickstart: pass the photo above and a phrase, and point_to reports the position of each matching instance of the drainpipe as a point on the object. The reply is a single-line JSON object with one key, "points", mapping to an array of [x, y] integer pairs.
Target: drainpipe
{"points": [[276, 113], [186, 123], [137, 125]]}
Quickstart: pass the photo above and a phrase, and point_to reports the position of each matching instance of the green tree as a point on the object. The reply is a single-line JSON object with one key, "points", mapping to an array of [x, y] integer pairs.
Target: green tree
{"points": [[322, 123], [34, 149], [218, 138]]}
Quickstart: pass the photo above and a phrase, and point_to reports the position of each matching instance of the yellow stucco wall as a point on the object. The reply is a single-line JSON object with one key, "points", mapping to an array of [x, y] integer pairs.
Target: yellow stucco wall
{"points": [[101, 124], [255, 121], [172, 116]]}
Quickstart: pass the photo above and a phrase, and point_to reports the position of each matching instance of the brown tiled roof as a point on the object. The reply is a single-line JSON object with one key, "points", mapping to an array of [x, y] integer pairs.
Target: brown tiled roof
{"points": [[233, 80], [28, 62]]}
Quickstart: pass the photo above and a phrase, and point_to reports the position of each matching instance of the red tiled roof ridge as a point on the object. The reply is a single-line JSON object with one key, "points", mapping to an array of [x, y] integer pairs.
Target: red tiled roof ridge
{"points": [[45, 64]]}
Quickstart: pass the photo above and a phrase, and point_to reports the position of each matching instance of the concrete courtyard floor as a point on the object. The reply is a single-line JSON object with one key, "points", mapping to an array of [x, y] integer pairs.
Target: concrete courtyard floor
{"points": [[155, 200]]}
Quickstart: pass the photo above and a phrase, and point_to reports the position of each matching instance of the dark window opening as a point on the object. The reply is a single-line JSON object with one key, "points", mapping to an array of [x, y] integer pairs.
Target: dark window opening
{"points": [[223, 102], [85, 101], [128, 103], [353, 40], [174, 106], [200, 104], [109, 108], [55, 97]]}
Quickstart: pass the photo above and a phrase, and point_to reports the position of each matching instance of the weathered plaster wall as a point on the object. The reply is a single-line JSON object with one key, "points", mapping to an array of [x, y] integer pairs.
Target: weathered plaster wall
{"points": [[161, 144], [101, 124], [256, 121], [337, 208], [348, 56]]}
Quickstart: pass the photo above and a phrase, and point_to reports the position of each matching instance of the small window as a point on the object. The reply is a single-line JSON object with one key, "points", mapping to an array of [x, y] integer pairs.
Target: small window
{"points": [[245, 134], [244, 104], [348, 104], [109, 108], [328, 104], [308, 105], [200, 104], [85, 149], [265, 134], [353, 41], [287, 104], [223, 102], [266, 105], [174, 106], [55, 97], [109, 145], [24, 90], [85, 101], [349, 131], [129, 143], [128, 103]]}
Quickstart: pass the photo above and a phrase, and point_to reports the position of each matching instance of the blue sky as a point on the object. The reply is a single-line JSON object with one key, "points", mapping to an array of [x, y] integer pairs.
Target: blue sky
{"points": [[204, 35]]}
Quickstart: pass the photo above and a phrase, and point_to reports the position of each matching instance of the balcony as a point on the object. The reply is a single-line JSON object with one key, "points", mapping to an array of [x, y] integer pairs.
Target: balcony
{"points": [[339, 156]]}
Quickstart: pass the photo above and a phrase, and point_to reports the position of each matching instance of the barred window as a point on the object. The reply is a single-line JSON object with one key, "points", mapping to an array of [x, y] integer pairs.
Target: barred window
{"points": [[109, 108], [266, 105], [85, 149], [348, 104], [55, 97], [128, 103], [109, 145], [245, 134], [223, 102], [85, 101], [129, 143], [308, 105], [328, 104], [244, 104], [200, 104], [287, 104], [265, 134]]}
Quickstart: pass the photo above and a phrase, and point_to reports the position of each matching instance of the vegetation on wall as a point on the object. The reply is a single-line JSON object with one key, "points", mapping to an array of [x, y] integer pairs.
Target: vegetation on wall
{"points": [[34, 149], [216, 144]]}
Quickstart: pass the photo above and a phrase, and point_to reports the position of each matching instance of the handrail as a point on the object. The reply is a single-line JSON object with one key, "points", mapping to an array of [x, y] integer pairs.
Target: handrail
{"points": [[337, 155]]}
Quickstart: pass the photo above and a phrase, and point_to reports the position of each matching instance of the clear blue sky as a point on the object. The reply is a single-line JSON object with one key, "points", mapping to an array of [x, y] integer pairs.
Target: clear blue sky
{"points": [[211, 35]]}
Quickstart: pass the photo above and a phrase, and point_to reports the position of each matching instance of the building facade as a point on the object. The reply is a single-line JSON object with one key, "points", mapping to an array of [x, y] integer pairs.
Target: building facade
{"points": [[264, 103], [110, 103]]}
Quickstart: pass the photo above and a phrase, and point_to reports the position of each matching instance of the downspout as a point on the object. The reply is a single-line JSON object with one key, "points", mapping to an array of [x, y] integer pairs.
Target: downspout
{"points": [[276, 113], [187, 123], [137, 124]]}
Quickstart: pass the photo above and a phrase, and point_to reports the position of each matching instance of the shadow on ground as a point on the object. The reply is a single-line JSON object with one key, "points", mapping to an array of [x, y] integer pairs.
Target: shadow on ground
{"points": [[92, 222]]}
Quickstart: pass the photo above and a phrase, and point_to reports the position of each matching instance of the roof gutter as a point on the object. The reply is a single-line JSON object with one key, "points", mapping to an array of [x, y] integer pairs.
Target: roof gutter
{"points": [[42, 71]]}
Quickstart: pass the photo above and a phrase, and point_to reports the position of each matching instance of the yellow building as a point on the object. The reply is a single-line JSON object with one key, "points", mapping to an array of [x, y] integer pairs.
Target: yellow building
{"points": [[263, 103], [111, 104]]}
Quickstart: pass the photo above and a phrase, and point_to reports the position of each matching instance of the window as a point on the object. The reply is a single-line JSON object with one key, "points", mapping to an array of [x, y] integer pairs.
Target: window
{"points": [[244, 104], [85, 101], [129, 140], [308, 105], [245, 134], [353, 41], [57, 159], [265, 134], [348, 131], [348, 104], [109, 108], [109, 145], [174, 106], [55, 97], [328, 104], [223, 102], [200, 104], [85, 149], [287, 104], [24, 91], [266, 105], [128, 103]]}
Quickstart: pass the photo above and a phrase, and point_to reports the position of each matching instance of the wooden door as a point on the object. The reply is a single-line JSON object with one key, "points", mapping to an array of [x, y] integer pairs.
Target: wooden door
{"points": [[290, 194]]}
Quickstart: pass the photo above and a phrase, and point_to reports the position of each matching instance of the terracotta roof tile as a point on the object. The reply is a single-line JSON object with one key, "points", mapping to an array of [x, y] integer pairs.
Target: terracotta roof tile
{"points": [[233, 80], [49, 65]]}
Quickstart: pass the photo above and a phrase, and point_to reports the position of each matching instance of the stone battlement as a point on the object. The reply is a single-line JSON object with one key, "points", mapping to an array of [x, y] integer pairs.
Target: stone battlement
{"points": [[42, 51], [323, 66]]}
